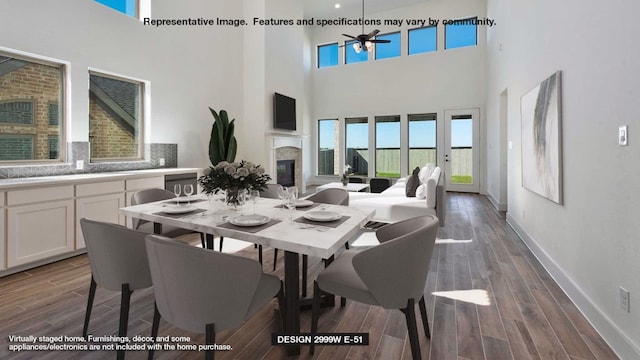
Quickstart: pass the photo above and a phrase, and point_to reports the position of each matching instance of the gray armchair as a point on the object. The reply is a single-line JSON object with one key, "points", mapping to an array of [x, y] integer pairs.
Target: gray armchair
{"points": [[118, 260], [233, 290], [391, 275]]}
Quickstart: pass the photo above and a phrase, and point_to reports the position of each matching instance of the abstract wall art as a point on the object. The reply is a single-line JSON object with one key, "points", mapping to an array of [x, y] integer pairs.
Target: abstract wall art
{"points": [[541, 139]]}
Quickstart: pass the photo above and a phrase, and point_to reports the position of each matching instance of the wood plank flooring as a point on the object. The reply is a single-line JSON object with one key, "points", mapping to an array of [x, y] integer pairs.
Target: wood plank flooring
{"points": [[494, 301]]}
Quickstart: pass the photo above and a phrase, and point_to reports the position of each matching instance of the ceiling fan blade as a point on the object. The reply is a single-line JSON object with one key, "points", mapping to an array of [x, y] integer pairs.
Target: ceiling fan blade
{"points": [[349, 36], [373, 33], [380, 41]]}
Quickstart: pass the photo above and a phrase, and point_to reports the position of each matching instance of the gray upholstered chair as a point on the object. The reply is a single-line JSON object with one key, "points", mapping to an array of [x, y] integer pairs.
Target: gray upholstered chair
{"points": [[356, 180], [391, 275], [233, 290], [151, 195], [271, 191], [378, 184], [118, 260]]}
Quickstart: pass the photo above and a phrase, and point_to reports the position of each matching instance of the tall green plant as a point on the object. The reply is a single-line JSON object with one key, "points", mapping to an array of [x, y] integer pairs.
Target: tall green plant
{"points": [[222, 144]]}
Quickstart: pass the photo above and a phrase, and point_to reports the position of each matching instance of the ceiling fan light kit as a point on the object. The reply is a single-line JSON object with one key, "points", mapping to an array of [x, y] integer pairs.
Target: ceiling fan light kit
{"points": [[365, 41]]}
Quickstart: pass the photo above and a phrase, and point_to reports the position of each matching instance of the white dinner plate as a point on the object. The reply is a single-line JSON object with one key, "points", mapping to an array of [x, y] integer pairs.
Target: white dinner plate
{"points": [[303, 203], [322, 215], [250, 220], [181, 199], [178, 209]]}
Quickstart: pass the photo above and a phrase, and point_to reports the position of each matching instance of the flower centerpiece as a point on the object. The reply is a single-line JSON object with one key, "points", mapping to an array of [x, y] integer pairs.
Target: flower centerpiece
{"points": [[345, 175], [232, 177]]}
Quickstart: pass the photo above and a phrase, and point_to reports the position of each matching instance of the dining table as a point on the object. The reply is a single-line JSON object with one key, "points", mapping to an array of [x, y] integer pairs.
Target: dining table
{"points": [[312, 229]]}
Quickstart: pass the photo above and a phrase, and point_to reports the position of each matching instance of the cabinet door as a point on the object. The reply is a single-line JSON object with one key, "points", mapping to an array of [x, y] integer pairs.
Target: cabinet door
{"points": [[38, 231], [101, 208], [3, 239]]}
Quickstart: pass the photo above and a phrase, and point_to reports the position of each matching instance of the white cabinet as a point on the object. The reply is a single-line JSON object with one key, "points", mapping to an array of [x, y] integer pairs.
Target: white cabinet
{"points": [[3, 239], [133, 185], [39, 224], [101, 202]]}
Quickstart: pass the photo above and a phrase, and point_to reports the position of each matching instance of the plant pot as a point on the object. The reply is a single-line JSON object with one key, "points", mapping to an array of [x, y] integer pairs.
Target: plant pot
{"points": [[345, 181]]}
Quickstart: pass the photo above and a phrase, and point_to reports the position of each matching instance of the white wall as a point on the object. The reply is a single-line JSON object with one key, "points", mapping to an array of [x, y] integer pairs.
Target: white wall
{"points": [[423, 83], [591, 243], [189, 68]]}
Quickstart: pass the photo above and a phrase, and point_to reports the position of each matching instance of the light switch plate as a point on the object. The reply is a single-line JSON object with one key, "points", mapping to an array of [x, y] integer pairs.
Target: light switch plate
{"points": [[623, 136], [79, 164], [161, 161]]}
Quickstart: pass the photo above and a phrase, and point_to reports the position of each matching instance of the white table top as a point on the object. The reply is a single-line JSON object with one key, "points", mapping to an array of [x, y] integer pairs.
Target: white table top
{"points": [[355, 187], [321, 241]]}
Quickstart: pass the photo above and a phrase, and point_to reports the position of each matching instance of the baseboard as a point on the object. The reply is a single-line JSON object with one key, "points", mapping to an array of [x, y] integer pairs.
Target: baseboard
{"points": [[498, 205], [621, 344]]}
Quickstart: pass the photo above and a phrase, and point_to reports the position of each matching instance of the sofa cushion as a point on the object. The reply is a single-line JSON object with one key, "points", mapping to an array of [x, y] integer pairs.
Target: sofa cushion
{"points": [[412, 183], [431, 185], [421, 191], [426, 172]]}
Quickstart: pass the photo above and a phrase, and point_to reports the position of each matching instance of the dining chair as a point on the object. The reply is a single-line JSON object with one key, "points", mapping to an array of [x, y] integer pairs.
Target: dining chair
{"points": [[379, 184], [151, 195], [118, 261], [233, 290], [391, 275], [356, 180]]}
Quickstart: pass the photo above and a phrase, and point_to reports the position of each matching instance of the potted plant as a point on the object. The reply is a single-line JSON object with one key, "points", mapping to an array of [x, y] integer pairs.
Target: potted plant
{"points": [[222, 144]]}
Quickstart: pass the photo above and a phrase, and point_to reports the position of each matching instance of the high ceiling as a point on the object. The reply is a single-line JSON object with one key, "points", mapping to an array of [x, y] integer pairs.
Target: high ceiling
{"points": [[351, 8]]}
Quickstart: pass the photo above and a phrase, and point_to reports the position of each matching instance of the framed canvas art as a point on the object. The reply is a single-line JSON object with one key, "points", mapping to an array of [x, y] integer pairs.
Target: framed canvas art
{"points": [[541, 139]]}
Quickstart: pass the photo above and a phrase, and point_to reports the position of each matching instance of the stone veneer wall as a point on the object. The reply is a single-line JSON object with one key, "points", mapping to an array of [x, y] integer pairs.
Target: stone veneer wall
{"points": [[80, 151], [291, 153]]}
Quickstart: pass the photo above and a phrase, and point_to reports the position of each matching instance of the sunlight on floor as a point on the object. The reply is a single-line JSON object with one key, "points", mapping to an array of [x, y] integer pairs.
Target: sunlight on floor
{"points": [[452, 241], [478, 297]]}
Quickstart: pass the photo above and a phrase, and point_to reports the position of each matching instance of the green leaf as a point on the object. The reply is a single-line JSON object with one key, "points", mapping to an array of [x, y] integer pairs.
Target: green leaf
{"points": [[233, 146]]}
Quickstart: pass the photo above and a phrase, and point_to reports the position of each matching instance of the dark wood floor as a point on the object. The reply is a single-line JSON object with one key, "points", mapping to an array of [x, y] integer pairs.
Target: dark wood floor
{"points": [[493, 300]]}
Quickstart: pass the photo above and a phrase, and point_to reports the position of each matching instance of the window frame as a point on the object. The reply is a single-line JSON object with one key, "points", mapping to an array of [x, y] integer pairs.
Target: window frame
{"points": [[346, 124], [143, 113], [435, 146], [348, 46], [64, 105], [379, 119], [375, 46], [136, 10], [409, 53], [318, 55], [465, 46]]}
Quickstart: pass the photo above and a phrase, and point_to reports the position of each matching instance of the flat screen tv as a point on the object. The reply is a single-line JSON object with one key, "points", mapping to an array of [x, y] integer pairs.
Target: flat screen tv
{"points": [[284, 112]]}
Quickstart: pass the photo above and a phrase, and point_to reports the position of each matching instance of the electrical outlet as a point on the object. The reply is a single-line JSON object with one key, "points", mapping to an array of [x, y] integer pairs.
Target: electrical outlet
{"points": [[161, 161], [623, 136], [79, 164], [624, 299]]}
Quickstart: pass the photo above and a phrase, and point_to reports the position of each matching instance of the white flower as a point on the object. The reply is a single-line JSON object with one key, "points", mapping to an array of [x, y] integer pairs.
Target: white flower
{"points": [[243, 172], [230, 170]]}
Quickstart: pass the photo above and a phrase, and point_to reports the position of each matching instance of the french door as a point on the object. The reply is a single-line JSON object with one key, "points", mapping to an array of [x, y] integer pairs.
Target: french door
{"points": [[461, 150]]}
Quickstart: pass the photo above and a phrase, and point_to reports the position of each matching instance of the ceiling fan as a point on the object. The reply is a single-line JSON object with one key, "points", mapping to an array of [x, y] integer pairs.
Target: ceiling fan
{"points": [[365, 41]]}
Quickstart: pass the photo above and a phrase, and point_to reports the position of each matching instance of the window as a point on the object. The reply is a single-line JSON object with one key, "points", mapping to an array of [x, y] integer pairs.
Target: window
{"points": [[54, 114], [351, 56], [461, 33], [388, 50], [357, 144], [115, 118], [422, 40], [27, 88], [388, 146], [327, 55], [422, 140], [328, 157], [127, 7], [53, 147]]}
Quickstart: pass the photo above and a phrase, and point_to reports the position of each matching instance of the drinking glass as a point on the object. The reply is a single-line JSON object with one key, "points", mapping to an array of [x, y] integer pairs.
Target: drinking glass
{"points": [[283, 194], [254, 195], [177, 189], [242, 199], [290, 201], [188, 190]]}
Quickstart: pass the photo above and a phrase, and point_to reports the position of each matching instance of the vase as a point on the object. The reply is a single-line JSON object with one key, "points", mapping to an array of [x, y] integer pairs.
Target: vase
{"points": [[234, 197], [345, 181]]}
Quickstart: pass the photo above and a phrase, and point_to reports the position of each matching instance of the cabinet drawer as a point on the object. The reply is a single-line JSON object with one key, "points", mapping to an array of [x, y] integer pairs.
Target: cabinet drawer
{"points": [[27, 196], [108, 187], [145, 183], [39, 231]]}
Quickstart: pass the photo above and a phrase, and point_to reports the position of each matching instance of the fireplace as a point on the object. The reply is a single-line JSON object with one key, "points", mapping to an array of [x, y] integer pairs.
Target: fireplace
{"points": [[286, 172]]}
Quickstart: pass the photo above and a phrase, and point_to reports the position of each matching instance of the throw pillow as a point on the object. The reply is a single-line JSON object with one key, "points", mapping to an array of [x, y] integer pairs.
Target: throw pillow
{"points": [[412, 183], [421, 192], [425, 172]]}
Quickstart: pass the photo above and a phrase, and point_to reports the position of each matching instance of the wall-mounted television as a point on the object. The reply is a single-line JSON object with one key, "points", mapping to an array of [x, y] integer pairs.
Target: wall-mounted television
{"points": [[284, 112]]}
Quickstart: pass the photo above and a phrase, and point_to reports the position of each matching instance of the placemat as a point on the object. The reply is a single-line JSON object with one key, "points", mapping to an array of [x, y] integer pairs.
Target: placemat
{"points": [[301, 208], [177, 216], [333, 224], [250, 229]]}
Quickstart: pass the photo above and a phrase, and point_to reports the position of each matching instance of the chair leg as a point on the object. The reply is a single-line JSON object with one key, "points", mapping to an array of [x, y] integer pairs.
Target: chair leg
{"points": [[315, 313], [154, 327], [210, 335], [124, 315], [221, 239], [204, 243], [410, 315], [305, 262], [425, 323], [87, 316], [275, 258], [260, 254]]}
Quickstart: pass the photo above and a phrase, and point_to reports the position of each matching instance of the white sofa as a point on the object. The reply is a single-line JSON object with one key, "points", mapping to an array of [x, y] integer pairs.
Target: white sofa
{"points": [[393, 205]]}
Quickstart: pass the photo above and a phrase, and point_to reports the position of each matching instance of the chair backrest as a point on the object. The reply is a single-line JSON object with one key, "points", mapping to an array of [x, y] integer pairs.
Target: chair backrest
{"points": [[117, 255], [378, 185], [271, 191], [396, 270], [194, 287], [334, 196], [146, 196], [356, 180]]}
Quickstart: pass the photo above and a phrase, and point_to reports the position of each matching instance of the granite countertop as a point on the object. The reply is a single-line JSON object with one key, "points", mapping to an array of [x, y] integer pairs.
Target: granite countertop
{"points": [[12, 183]]}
